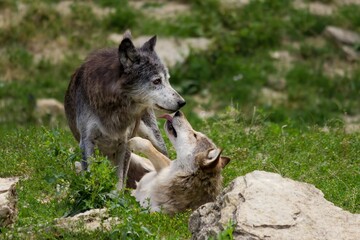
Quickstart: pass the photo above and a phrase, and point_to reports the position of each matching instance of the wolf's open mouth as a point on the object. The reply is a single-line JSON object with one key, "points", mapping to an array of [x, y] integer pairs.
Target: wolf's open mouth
{"points": [[169, 124], [164, 109]]}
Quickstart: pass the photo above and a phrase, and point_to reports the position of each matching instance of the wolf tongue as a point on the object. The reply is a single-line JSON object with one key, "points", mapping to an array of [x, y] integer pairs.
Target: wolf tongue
{"points": [[167, 117]]}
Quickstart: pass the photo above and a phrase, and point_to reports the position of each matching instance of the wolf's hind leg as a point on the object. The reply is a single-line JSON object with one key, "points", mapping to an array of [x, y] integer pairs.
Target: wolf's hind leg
{"points": [[144, 146]]}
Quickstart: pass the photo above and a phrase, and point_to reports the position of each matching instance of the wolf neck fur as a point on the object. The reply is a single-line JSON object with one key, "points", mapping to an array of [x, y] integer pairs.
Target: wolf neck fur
{"points": [[200, 187], [110, 108]]}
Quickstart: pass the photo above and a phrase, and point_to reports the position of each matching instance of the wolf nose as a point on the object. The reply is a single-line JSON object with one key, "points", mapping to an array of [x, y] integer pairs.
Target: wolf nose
{"points": [[178, 114], [181, 103]]}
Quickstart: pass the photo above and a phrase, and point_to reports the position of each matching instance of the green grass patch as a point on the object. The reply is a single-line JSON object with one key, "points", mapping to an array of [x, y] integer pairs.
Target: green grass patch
{"points": [[50, 188]]}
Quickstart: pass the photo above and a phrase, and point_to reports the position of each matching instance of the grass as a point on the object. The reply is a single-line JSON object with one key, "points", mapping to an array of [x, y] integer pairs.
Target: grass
{"points": [[286, 138], [45, 158]]}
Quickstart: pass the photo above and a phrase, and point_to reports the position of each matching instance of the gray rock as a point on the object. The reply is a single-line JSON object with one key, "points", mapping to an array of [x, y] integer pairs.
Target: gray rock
{"points": [[271, 97], [231, 4], [91, 220], [161, 9], [171, 50], [264, 205], [346, 40], [342, 36], [316, 8], [352, 124], [8, 201], [351, 53]]}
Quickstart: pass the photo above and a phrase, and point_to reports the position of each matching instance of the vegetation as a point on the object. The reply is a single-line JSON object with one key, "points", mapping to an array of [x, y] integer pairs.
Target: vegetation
{"points": [[302, 138]]}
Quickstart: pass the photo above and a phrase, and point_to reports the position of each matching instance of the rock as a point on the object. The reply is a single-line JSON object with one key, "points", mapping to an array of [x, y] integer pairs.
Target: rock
{"points": [[342, 36], [203, 113], [276, 82], [316, 8], [337, 67], [8, 201], [65, 8], [170, 50], [351, 53], [264, 205], [352, 124], [230, 4], [91, 220], [48, 108], [283, 60], [347, 2], [347, 40], [160, 9], [53, 50], [9, 18], [271, 97]]}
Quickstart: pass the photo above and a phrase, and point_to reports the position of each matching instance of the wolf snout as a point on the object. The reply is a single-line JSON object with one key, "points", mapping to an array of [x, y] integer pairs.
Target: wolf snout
{"points": [[181, 103]]}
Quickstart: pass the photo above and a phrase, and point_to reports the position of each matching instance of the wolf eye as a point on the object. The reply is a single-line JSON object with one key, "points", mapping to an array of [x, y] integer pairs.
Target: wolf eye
{"points": [[157, 81], [195, 135]]}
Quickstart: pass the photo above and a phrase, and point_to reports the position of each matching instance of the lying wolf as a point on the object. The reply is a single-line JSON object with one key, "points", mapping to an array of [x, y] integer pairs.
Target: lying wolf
{"points": [[111, 98], [191, 180]]}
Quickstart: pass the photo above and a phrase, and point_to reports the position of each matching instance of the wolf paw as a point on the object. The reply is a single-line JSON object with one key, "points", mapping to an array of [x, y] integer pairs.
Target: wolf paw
{"points": [[139, 145]]}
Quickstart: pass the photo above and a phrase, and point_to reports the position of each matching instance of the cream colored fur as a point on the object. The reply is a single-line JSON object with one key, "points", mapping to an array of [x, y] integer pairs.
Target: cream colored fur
{"points": [[191, 180]]}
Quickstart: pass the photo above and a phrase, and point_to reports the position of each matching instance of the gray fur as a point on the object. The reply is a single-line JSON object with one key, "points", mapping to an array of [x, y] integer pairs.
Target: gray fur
{"points": [[111, 93]]}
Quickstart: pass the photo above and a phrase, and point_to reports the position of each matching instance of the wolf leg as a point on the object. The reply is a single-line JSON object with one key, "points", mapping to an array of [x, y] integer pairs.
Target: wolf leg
{"points": [[149, 129], [144, 146], [121, 161], [87, 150]]}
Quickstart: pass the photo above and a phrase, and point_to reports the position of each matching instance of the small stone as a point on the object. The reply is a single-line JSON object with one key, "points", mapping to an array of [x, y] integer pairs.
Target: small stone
{"points": [[65, 8], [91, 220], [342, 36], [48, 108], [351, 53], [272, 97], [352, 124], [230, 4], [171, 50], [161, 9], [316, 8]]}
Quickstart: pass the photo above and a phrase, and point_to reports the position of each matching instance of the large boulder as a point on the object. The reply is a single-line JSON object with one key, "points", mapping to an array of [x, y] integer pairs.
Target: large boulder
{"points": [[8, 200], [264, 205]]}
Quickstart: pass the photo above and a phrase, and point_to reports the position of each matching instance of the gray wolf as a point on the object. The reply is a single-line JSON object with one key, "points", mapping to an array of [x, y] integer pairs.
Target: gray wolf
{"points": [[112, 96], [191, 180]]}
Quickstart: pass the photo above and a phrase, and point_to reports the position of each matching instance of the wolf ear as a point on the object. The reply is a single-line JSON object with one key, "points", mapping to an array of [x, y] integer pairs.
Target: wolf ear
{"points": [[224, 161], [150, 44], [212, 159], [127, 52]]}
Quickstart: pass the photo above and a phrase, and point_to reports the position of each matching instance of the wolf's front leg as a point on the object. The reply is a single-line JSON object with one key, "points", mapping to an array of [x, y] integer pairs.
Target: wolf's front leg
{"points": [[149, 129], [122, 161], [87, 150], [144, 146]]}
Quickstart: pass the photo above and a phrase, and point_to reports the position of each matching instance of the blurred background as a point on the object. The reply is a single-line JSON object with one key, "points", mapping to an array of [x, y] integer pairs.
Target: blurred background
{"points": [[288, 62]]}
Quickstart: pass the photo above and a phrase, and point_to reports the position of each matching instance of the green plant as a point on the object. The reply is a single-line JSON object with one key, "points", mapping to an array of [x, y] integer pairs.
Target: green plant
{"points": [[123, 18], [227, 233], [91, 189]]}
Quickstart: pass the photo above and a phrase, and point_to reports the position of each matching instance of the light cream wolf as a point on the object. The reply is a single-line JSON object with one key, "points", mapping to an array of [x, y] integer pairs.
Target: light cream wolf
{"points": [[191, 180]]}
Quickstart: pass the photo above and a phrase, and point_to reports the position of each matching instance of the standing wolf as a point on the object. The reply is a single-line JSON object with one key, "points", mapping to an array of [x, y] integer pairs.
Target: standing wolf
{"points": [[111, 98]]}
